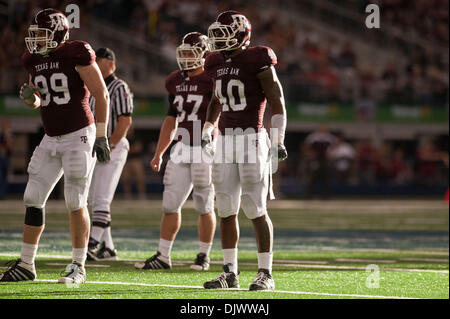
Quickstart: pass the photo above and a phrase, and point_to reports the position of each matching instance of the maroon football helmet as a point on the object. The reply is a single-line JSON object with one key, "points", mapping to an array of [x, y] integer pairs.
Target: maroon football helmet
{"points": [[48, 29], [191, 52], [231, 31]]}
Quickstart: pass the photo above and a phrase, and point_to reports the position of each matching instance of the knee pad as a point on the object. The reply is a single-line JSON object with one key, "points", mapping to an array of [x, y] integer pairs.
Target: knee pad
{"points": [[171, 202], [75, 193], [203, 199], [34, 216], [225, 205], [251, 209], [77, 174], [254, 198], [34, 195]]}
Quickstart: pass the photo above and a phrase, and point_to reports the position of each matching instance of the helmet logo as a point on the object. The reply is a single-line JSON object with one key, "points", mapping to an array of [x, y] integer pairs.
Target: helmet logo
{"points": [[59, 21], [241, 21]]}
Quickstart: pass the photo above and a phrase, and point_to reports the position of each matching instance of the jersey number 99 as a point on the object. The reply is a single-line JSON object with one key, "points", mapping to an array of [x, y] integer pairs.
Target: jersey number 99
{"points": [[58, 90]]}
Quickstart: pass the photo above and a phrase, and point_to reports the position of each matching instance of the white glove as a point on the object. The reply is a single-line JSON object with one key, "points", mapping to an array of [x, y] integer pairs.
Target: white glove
{"points": [[207, 143]]}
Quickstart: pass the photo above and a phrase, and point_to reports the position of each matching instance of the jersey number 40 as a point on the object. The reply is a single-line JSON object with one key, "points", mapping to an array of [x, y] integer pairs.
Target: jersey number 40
{"points": [[230, 101]]}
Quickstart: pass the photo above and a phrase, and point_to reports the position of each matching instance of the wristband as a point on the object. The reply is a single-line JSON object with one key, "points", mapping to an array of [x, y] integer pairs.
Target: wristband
{"points": [[101, 129], [278, 122]]}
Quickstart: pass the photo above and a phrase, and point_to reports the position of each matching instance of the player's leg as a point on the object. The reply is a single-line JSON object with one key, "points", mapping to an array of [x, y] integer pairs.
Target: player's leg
{"points": [[103, 186], [44, 171], [228, 191], [255, 186], [177, 187], [78, 165], [203, 195]]}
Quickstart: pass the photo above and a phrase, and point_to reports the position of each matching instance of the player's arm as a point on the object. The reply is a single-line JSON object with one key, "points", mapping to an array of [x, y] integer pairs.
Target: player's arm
{"points": [[166, 135], [212, 116], [93, 79], [275, 97], [28, 93]]}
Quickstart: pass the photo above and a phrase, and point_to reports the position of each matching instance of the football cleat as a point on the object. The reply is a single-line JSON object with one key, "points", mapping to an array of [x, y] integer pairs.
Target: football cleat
{"points": [[263, 281], [92, 252], [18, 271], [201, 262], [104, 253], [75, 274], [227, 279], [157, 261]]}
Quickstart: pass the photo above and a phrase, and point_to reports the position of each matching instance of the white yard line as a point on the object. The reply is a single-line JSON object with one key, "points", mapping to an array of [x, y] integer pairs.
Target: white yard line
{"points": [[355, 260], [86, 265], [433, 260], [240, 289]]}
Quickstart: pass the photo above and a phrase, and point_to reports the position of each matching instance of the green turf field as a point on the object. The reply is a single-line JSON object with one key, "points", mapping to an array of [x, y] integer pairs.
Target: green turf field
{"points": [[321, 250]]}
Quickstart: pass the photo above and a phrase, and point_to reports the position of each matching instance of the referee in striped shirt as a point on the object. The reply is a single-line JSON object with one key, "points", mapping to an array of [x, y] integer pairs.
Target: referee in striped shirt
{"points": [[106, 175]]}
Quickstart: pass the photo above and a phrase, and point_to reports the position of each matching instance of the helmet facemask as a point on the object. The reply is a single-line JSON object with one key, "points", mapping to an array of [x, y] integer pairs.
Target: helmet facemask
{"points": [[190, 57], [190, 54], [38, 43], [49, 28], [224, 37]]}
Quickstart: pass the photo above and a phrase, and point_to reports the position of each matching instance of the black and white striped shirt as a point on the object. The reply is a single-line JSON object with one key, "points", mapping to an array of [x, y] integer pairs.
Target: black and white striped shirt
{"points": [[121, 101]]}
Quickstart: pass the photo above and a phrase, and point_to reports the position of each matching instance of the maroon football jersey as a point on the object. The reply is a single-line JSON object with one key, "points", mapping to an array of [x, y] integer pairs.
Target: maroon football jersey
{"points": [[237, 87], [64, 97], [189, 101]]}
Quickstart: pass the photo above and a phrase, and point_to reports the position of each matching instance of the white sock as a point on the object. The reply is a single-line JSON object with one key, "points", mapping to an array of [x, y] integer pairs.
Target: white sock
{"points": [[28, 253], [230, 257], [97, 233], [79, 255], [265, 261], [108, 238], [165, 247], [204, 247]]}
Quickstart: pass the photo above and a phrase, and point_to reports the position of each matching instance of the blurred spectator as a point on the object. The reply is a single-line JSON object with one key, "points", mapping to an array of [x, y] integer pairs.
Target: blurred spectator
{"points": [[365, 107], [342, 156], [383, 164], [318, 145], [133, 170], [429, 162], [366, 160], [347, 57], [402, 170], [5, 152]]}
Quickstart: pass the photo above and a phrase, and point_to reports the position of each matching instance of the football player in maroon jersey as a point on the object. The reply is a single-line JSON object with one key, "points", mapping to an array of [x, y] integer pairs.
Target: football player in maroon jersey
{"points": [[190, 91], [244, 80], [62, 73]]}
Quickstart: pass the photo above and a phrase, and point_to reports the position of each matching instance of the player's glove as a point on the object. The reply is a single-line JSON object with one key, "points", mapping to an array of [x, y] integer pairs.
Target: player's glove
{"points": [[101, 148], [27, 93], [281, 152], [207, 144]]}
